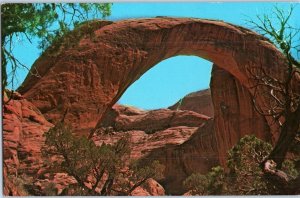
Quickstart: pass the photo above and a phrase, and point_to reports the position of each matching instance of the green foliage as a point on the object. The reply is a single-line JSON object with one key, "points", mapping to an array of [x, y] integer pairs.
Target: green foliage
{"points": [[244, 164], [43, 21], [284, 106], [105, 165], [278, 29], [244, 177], [288, 166], [20, 183], [197, 184], [154, 170], [209, 184], [50, 189]]}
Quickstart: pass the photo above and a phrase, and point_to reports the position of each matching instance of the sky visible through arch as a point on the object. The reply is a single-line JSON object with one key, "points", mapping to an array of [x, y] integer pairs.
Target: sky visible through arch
{"points": [[167, 82], [175, 77]]}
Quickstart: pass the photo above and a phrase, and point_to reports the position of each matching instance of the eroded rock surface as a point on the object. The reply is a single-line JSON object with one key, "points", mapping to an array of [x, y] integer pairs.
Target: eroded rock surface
{"points": [[148, 129], [150, 188], [198, 154], [150, 132], [9, 188], [23, 129], [183, 141]]}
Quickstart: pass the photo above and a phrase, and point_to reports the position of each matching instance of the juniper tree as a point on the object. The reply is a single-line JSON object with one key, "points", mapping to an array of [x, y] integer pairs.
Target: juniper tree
{"points": [[106, 166]]}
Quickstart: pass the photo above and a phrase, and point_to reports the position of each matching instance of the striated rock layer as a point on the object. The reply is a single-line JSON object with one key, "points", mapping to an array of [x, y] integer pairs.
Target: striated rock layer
{"points": [[89, 76], [235, 115]]}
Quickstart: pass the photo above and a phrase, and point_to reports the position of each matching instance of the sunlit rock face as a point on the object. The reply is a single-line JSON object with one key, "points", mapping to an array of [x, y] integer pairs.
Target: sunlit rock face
{"points": [[86, 79]]}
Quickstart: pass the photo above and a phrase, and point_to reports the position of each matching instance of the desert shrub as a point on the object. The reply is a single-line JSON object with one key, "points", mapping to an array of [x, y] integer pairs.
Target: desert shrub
{"points": [[105, 165], [50, 189], [244, 175], [245, 172], [21, 182], [209, 184], [288, 166]]}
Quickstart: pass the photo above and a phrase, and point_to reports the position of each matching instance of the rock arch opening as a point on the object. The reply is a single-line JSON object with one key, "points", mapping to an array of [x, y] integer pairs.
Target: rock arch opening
{"points": [[165, 84]]}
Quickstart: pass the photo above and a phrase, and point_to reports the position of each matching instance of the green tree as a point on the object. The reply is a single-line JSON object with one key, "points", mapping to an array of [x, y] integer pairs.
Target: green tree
{"points": [[284, 105], [244, 177], [209, 184], [43, 21], [105, 166], [244, 167]]}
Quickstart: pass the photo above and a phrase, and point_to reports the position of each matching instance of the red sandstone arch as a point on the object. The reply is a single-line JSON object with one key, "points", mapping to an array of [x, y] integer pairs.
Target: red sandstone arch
{"points": [[90, 77]]}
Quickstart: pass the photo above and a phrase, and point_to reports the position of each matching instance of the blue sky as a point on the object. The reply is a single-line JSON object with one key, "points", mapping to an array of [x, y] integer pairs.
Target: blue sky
{"points": [[175, 77]]}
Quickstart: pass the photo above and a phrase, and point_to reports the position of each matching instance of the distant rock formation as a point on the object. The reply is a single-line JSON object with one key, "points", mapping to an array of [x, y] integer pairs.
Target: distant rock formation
{"points": [[182, 140], [199, 101]]}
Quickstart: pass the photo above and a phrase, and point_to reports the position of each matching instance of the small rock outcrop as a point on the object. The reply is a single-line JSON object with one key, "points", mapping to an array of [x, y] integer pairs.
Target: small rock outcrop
{"points": [[149, 188]]}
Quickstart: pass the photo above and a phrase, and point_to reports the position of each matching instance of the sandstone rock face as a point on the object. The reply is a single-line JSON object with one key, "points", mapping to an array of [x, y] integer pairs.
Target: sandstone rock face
{"points": [[199, 101], [23, 128], [183, 141], [148, 130], [235, 115], [198, 154], [123, 118], [150, 188]]}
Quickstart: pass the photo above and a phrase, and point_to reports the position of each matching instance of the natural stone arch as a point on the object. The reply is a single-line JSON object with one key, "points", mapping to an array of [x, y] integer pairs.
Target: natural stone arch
{"points": [[90, 77]]}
